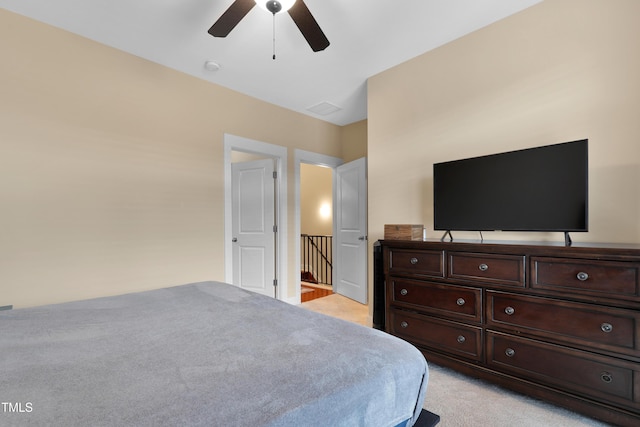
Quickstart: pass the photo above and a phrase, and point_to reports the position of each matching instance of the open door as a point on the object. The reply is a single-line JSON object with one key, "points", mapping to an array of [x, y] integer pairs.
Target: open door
{"points": [[350, 273], [253, 226]]}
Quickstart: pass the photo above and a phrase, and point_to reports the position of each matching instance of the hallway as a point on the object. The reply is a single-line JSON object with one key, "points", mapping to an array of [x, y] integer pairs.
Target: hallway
{"points": [[336, 305]]}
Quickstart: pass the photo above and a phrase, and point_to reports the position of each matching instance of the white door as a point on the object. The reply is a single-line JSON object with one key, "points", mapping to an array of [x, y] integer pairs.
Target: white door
{"points": [[350, 262], [253, 226]]}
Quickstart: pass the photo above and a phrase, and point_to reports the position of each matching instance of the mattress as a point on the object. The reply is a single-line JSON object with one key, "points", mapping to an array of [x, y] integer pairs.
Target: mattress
{"points": [[207, 354]]}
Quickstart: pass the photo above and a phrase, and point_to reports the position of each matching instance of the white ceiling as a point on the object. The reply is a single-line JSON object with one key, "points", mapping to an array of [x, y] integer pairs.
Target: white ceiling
{"points": [[367, 37]]}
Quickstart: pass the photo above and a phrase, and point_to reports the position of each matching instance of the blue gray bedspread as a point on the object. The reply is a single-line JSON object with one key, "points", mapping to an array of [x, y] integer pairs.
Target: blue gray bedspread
{"points": [[204, 354]]}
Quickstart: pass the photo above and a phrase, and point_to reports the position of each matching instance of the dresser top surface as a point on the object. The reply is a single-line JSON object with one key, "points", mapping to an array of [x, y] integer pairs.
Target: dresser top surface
{"points": [[505, 246]]}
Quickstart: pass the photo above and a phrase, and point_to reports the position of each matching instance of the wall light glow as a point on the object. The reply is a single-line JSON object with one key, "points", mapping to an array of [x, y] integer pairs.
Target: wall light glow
{"points": [[325, 210]]}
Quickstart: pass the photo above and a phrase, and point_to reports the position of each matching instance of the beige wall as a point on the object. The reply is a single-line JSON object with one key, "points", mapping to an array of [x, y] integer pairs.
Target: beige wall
{"points": [[316, 191], [354, 141], [560, 71], [111, 172]]}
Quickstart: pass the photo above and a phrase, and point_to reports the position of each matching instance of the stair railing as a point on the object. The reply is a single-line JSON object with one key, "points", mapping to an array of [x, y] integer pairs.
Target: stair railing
{"points": [[316, 258]]}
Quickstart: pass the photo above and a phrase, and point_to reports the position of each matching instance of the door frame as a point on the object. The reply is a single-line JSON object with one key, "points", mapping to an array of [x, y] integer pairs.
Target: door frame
{"points": [[279, 154], [308, 157]]}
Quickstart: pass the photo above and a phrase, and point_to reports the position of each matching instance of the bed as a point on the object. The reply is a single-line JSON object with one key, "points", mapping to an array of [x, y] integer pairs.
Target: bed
{"points": [[202, 354]]}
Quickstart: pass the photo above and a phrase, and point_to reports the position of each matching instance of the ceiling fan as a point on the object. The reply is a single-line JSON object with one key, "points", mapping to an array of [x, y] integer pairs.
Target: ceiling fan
{"points": [[298, 11]]}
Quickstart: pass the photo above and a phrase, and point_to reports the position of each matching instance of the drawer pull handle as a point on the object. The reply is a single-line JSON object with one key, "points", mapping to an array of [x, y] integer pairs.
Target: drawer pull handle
{"points": [[461, 339], [483, 267], [413, 260], [582, 276], [510, 352], [606, 377], [461, 301], [404, 324], [403, 292], [606, 327], [509, 310]]}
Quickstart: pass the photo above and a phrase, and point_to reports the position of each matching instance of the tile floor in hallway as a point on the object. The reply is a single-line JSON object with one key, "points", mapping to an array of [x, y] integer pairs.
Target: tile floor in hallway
{"points": [[336, 305]]}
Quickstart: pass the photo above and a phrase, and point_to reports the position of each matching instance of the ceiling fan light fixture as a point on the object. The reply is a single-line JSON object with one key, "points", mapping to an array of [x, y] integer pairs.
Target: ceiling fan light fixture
{"points": [[275, 6]]}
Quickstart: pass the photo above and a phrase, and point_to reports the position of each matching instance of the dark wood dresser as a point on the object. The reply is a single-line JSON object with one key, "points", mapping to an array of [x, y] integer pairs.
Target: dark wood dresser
{"points": [[559, 323]]}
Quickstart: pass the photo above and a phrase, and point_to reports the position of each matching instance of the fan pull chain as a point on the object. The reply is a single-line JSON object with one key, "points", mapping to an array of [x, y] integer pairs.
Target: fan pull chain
{"points": [[274, 36]]}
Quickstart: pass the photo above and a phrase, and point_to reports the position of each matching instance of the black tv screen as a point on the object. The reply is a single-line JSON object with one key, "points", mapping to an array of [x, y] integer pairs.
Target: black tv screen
{"points": [[536, 189]]}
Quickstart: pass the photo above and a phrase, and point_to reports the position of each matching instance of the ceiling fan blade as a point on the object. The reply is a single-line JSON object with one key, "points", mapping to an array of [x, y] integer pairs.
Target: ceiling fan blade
{"points": [[231, 17], [308, 26]]}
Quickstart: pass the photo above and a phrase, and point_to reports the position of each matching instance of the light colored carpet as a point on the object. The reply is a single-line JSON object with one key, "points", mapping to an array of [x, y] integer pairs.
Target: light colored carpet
{"points": [[463, 401]]}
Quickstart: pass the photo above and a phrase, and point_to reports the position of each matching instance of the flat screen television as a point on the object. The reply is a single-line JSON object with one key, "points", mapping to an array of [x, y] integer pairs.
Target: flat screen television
{"points": [[536, 189]]}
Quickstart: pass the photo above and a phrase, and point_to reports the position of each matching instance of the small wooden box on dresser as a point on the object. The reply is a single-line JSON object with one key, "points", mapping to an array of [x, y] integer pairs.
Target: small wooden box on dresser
{"points": [[559, 323]]}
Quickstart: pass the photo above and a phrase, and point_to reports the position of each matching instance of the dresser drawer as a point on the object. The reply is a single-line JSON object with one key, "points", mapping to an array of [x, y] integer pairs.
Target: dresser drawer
{"points": [[578, 371], [494, 269], [607, 278], [587, 325], [453, 301], [416, 262], [437, 334]]}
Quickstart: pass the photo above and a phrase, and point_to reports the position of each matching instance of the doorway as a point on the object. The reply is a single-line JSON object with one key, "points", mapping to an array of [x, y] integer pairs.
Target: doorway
{"points": [[348, 222], [316, 226], [248, 150], [308, 158]]}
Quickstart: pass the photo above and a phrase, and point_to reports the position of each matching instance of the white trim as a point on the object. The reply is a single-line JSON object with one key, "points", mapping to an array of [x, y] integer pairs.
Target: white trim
{"points": [[302, 156], [279, 153]]}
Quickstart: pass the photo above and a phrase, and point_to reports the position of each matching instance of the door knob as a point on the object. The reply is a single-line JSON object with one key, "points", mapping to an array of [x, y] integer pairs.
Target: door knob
{"points": [[235, 239], [361, 238]]}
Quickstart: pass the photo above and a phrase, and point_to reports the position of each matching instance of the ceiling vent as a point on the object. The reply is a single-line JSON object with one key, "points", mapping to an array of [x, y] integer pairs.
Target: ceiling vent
{"points": [[324, 108]]}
